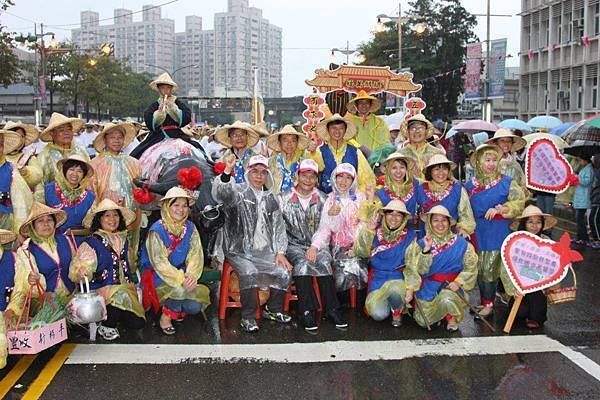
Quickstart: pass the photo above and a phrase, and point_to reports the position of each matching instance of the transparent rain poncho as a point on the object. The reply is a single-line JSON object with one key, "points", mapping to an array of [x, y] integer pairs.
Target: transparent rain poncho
{"points": [[254, 233], [301, 225], [339, 233]]}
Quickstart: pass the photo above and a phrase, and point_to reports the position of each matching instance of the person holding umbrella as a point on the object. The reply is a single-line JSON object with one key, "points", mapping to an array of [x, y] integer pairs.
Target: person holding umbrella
{"points": [[582, 200]]}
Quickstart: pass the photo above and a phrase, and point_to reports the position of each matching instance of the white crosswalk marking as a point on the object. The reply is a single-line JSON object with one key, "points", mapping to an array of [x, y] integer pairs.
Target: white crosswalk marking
{"points": [[333, 351]]}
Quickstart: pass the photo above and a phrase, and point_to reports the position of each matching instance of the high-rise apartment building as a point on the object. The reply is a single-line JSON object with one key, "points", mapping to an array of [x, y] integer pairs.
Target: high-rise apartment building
{"points": [[215, 62], [244, 38], [560, 56], [146, 45]]}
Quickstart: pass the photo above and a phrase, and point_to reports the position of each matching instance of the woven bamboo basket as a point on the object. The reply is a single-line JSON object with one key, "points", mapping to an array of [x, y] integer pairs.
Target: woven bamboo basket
{"points": [[563, 294]]}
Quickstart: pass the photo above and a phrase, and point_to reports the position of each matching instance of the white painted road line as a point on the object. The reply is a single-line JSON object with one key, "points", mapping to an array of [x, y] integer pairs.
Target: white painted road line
{"points": [[324, 351]]}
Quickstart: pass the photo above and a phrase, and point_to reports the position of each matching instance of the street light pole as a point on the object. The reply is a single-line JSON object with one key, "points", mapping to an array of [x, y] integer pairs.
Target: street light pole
{"points": [[399, 36]]}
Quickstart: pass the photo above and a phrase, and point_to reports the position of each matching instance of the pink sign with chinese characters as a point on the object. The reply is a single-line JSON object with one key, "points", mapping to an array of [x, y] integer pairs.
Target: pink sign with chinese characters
{"points": [[534, 263], [35, 340], [546, 169]]}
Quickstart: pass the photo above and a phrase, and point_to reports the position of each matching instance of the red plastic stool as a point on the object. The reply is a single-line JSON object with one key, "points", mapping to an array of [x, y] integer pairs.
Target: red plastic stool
{"points": [[353, 297], [291, 295], [225, 294]]}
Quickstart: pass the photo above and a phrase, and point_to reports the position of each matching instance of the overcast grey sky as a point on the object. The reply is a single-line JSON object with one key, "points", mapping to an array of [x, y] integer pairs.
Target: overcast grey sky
{"points": [[310, 27]]}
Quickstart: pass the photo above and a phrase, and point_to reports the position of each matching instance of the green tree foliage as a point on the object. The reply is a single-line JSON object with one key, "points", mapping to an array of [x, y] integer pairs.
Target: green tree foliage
{"points": [[440, 49], [9, 63]]}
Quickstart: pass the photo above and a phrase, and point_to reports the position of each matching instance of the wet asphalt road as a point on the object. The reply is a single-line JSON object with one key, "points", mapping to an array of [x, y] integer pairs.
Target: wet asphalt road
{"points": [[515, 375]]}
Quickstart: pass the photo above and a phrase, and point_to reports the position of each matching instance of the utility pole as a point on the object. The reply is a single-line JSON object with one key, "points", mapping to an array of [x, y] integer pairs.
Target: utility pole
{"points": [[487, 113]]}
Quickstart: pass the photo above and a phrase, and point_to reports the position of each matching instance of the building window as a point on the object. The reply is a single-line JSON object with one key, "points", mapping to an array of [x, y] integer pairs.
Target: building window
{"points": [[595, 92], [579, 93], [597, 19]]}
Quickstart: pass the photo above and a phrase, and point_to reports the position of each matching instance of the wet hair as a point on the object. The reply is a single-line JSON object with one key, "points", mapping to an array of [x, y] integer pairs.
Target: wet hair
{"points": [[429, 169], [96, 222], [336, 122], [523, 223], [74, 163]]}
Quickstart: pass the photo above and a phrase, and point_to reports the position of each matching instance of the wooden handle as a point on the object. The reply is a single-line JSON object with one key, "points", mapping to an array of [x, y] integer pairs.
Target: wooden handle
{"points": [[513, 314]]}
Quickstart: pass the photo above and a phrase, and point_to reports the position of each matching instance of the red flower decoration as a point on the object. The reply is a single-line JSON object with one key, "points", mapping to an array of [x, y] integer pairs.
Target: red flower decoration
{"points": [[573, 180], [189, 178], [143, 196], [381, 180], [219, 168]]}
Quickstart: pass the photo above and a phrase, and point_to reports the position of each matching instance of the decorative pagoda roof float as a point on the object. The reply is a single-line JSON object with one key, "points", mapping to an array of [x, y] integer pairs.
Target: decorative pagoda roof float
{"points": [[354, 78]]}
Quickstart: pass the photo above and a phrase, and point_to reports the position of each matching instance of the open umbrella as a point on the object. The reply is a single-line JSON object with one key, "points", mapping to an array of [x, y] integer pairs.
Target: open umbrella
{"points": [[585, 131], [594, 121], [451, 133], [558, 141], [515, 124], [480, 138], [476, 125], [562, 128], [583, 148], [544, 122]]}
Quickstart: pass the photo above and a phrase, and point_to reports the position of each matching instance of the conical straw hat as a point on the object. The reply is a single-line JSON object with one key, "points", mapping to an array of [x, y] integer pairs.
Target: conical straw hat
{"points": [[105, 205]]}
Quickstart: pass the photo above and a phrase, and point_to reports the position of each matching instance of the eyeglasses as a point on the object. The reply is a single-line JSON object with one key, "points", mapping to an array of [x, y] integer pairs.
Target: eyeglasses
{"points": [[416, 128]]}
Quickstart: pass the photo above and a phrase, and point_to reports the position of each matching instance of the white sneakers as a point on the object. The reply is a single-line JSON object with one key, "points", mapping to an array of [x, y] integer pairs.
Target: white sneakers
{"points": [[108, 333]]}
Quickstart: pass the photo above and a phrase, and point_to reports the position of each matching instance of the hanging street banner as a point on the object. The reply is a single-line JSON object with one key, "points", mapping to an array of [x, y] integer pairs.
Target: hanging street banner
{"points": [[497, 68], [473, 72]]}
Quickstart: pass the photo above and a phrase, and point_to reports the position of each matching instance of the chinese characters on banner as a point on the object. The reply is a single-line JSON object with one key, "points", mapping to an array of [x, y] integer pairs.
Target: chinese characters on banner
{"points": [[497, 68], [473, 72], [313, 115], [35, 340]]}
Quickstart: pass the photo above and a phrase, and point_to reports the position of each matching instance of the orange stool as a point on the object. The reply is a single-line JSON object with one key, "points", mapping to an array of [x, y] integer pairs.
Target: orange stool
{"points": [[225, 294], [291, 295]]}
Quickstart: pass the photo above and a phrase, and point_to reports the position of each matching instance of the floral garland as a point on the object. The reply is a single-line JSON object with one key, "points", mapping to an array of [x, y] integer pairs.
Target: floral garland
{"points": [[394, 196], [437, 197], [64, 202], [437, 249], [477, 187], [384, 244]]}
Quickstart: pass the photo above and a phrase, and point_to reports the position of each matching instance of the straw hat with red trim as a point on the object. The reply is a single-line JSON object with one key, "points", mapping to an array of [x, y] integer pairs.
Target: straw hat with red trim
{"points": [[273, 140], [533, 211], [362, 95], [56, 120], [40, 210], [106, 205], [127, 128]]}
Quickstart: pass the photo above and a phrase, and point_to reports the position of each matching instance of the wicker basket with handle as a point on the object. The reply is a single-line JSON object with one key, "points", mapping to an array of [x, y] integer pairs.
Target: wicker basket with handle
{"points": [[563, 294]]}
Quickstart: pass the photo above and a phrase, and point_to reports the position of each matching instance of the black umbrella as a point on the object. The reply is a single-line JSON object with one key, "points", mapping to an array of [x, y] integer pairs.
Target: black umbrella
{"points": [[583, 149]]}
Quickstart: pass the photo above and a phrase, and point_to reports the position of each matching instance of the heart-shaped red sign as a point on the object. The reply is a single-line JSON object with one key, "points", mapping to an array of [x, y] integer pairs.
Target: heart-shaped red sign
{"points": [[534, 263], [545, 168]]}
